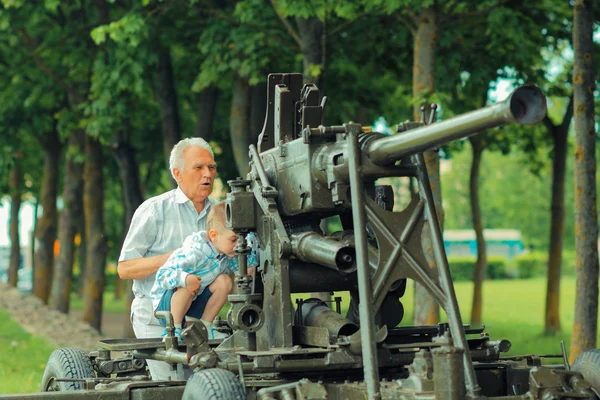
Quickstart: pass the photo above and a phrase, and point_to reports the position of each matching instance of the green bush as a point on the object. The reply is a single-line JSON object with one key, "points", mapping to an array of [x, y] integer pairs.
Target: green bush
{"points": [[569, 261], [496, 268], [531, 265], [109, 281], [461, 268]]}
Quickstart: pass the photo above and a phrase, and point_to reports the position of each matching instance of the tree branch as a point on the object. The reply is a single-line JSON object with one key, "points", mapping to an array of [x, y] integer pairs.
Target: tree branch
{"points": [[549, 124], [289, 27], [457, 17], [410, 23], [568, 114], [257, 29], [344, 25], [28, 42]]}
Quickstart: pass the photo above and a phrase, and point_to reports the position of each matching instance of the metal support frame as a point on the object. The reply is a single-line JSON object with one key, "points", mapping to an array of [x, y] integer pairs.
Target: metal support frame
{"points": [[367, 326], [450, 303]]}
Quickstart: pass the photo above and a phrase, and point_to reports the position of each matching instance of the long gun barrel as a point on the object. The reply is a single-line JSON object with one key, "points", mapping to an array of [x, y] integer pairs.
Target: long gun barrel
{"points": [[526, 105]]}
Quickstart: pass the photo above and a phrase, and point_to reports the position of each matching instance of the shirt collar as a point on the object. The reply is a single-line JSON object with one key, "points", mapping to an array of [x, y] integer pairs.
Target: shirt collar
{"points": [[181, 198]]}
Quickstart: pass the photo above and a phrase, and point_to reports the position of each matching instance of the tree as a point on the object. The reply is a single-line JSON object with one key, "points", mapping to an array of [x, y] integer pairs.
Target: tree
{"points": [[46, 226], [67, 225], [477, 146], [559, 135], [586, 299], [15, 183], [166, 95], [425, 37]]}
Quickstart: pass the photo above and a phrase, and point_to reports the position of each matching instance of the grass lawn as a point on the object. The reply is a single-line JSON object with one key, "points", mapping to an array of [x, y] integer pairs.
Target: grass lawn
{"points": [[512, 310], [23, 357], [109, 303]]}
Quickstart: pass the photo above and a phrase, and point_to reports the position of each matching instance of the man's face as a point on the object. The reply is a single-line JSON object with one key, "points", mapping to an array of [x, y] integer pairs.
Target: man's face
{"points": [[224, 241], [196, 179]]}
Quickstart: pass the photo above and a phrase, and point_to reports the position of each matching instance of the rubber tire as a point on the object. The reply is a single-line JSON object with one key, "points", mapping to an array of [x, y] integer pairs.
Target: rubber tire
{"points": [[67, 363], [588, 363], [214, 384]]}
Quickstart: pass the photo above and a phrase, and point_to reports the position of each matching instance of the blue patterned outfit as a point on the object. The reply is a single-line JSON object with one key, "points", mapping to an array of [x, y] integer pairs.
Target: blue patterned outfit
{"points": [[198, 257]]}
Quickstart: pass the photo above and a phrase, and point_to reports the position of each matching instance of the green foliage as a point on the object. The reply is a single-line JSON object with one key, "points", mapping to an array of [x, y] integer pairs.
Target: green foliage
{"points": [[514, 196], [462, 268], [531, 265], [535, 264], [569, 262], [131, 30], [496, 268], [244, 43]]}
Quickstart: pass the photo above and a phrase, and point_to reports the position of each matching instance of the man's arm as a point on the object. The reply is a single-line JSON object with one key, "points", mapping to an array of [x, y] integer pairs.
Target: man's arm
{"points": [[184, 261], [140, 238], [142, 267]]}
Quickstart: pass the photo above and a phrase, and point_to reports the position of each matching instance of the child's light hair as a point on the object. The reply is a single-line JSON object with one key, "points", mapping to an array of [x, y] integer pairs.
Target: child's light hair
{"points": [[216, 217]]}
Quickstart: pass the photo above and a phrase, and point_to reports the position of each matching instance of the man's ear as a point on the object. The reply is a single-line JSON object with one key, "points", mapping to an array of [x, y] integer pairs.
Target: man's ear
{"points": [[177, 174]]}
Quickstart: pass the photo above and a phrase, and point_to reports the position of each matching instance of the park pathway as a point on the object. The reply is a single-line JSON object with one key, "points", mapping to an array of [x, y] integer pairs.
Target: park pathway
{"points": [[59, 329]]}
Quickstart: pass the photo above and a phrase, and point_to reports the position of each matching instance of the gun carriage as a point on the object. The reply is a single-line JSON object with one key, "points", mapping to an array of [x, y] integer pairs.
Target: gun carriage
{"points": [[300, 174]]}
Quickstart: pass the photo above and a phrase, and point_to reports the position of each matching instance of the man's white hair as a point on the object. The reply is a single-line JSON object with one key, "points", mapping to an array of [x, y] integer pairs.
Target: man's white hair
{"points": [[176, 158]]}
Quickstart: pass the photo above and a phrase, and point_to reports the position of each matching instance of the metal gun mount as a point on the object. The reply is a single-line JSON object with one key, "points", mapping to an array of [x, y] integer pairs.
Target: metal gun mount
{"points": [[301, 173]]}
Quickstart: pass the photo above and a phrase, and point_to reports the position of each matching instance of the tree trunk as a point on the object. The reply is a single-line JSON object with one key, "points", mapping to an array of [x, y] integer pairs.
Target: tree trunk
{"points": [[207, 104], [586, 217], [67, 226], [166, 96], [46, 226], [93, 209], [81, 246], [312, 45], [239, 121], [481, 263], [15, 184], [425, 44], [132, 195], [312, 33], [557, 221]]}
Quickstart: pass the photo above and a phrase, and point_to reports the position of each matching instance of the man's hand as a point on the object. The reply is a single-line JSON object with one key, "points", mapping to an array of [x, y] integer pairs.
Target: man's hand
{"points": [[192, 284]]}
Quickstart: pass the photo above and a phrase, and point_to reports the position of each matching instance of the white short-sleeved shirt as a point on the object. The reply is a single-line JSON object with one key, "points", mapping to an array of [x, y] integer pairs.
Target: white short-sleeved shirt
{"points": [[160, 225]]}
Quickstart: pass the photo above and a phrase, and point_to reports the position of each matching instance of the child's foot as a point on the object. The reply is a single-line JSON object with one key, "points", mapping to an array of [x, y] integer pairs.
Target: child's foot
{"points": [[215, 334], [177, 334]]}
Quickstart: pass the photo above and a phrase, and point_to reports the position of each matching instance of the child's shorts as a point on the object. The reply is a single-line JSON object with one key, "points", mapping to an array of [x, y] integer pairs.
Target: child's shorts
{"points": [[196, 309]]}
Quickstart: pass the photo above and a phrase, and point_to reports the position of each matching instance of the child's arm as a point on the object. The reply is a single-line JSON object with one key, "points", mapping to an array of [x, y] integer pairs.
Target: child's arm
{"points": [[172, 275], [181, 263]]}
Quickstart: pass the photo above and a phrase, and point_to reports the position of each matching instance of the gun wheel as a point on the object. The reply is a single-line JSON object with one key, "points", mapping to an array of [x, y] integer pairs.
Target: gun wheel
{"points": [[214, 384], [588, 363], [67, 363]]}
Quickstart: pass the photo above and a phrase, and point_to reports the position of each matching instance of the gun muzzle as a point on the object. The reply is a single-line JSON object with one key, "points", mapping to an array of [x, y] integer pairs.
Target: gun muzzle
{"points": [[312, 247], [526, 105]]}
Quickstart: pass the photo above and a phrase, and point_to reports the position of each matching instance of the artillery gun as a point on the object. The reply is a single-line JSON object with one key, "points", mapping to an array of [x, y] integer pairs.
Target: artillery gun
{"points": [[302, 173]]}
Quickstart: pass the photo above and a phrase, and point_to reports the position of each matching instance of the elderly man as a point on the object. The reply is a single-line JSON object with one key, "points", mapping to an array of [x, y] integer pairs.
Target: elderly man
{"points": [[158, 227]]}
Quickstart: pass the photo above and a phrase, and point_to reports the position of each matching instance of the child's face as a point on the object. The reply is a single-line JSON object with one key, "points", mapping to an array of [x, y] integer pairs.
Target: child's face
{"points": [[224, 241]]}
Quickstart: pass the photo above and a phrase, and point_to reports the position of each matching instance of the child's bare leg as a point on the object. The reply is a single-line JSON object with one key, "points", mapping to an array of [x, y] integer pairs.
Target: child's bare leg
{"points": [[180, 304], [220, 288]]}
